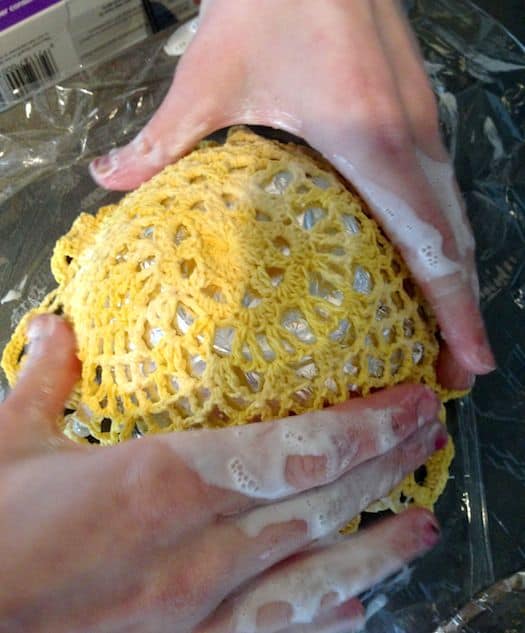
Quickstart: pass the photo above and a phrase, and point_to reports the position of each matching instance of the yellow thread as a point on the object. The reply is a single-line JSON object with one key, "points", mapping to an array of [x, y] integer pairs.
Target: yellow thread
{"points": [[242, 283]]}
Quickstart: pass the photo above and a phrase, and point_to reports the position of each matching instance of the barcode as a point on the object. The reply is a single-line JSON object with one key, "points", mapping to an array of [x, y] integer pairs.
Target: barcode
{"points": [[29, 72]]}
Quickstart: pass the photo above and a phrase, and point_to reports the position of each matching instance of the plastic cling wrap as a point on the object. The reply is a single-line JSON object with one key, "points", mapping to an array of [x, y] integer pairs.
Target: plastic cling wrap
{"points": [[478, 72]]}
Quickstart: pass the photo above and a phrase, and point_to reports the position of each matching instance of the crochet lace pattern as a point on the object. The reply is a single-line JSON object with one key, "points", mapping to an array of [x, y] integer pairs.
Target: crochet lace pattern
{"points": [[244, 283]]}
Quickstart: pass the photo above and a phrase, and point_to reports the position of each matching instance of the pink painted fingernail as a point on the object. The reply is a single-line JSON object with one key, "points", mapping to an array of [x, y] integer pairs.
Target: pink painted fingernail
{"points": [[427, 408], [430, 533], [441, 439], [104, 166]]}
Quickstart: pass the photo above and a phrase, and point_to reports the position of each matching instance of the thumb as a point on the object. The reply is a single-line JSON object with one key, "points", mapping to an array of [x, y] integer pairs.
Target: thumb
{"points": [[184, 118], [28, 416]]}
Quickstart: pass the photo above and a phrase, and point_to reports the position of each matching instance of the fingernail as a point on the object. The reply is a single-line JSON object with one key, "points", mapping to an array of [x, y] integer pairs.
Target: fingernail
{"points": [[441, 439], [486, 359], [104, 166], [427, 408], [430, 533], [39, 331]]}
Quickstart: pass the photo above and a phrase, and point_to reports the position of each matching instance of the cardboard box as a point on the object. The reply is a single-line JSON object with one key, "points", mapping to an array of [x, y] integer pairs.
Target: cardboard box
{"points": [[36, 47], [101, 28], [43, 41]]}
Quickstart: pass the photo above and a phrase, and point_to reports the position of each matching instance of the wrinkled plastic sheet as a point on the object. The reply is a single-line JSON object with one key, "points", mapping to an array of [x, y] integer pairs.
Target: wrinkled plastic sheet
{"points": [[478, 73]]}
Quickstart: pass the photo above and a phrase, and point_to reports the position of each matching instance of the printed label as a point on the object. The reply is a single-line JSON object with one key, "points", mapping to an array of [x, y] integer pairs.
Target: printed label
{"points": [[14, 11], [36, 53], [101, 28]]}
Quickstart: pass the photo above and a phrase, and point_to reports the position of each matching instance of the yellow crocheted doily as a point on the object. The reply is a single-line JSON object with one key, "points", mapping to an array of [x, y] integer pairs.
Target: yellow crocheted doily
{"points": [[244, 283]]}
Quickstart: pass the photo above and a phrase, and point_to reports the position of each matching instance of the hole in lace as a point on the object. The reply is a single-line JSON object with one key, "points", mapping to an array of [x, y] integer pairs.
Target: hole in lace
{"points": [[147, 367], [351, 366], [181, 233], [282, 245], [320, 182], [197, 365], [350, 224], [341, 330], [276, 276], [153, 336], [408, 328], [223, 340], [261, 216], [279, 183], [187, 266], [418, 352], [295, 322], [396, 359], [251, 379], [397, 300], [229, 200], [376, 367], [362, 281], [251, 299], [264, 345], [420, 475], [409, 288], [184, 318], [213, 292], [310, 217], [306, 368], [382, 311], [320, 287], [146, 263]]}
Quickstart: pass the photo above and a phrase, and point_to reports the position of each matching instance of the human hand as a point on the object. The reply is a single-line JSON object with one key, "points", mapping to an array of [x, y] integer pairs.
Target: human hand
{"points": [[348, 78], [204, 531]]}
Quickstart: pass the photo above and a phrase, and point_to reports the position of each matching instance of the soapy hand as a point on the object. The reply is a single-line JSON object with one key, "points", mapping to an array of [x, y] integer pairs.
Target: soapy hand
{"points": [[205, 531], [348, 78]]}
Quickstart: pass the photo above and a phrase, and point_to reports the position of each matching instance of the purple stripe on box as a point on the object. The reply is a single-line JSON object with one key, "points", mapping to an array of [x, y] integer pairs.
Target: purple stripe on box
{"points": [[14, 11]]}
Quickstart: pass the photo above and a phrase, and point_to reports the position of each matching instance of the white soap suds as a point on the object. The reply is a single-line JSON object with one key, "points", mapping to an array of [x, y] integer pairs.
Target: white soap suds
{"points": [[342, 570], [323, 511], [181, 38], [440, 175], [254, 458], [326, 509], [419, 238]]}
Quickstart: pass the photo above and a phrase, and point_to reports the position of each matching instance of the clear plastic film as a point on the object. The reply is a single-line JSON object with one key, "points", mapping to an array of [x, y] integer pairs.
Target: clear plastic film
{"points": [[478, 72]]}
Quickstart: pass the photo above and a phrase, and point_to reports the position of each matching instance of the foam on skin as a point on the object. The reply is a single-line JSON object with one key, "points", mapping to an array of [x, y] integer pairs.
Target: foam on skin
{"points": [[306, 584], [179, 41], [323, 510], [440, 176], [254, 460], [327, 509], [419, 238]]}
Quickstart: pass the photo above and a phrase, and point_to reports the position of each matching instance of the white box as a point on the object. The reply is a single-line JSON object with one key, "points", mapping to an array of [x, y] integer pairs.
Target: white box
{"points": [[101, 28], [43, 41], [35, 51]]}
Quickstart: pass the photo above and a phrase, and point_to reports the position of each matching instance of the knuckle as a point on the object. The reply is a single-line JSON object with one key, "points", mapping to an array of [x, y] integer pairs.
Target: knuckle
{"points": [[426, 129], [147, 489], [207, 574], [390, 137], [424, 115]]}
